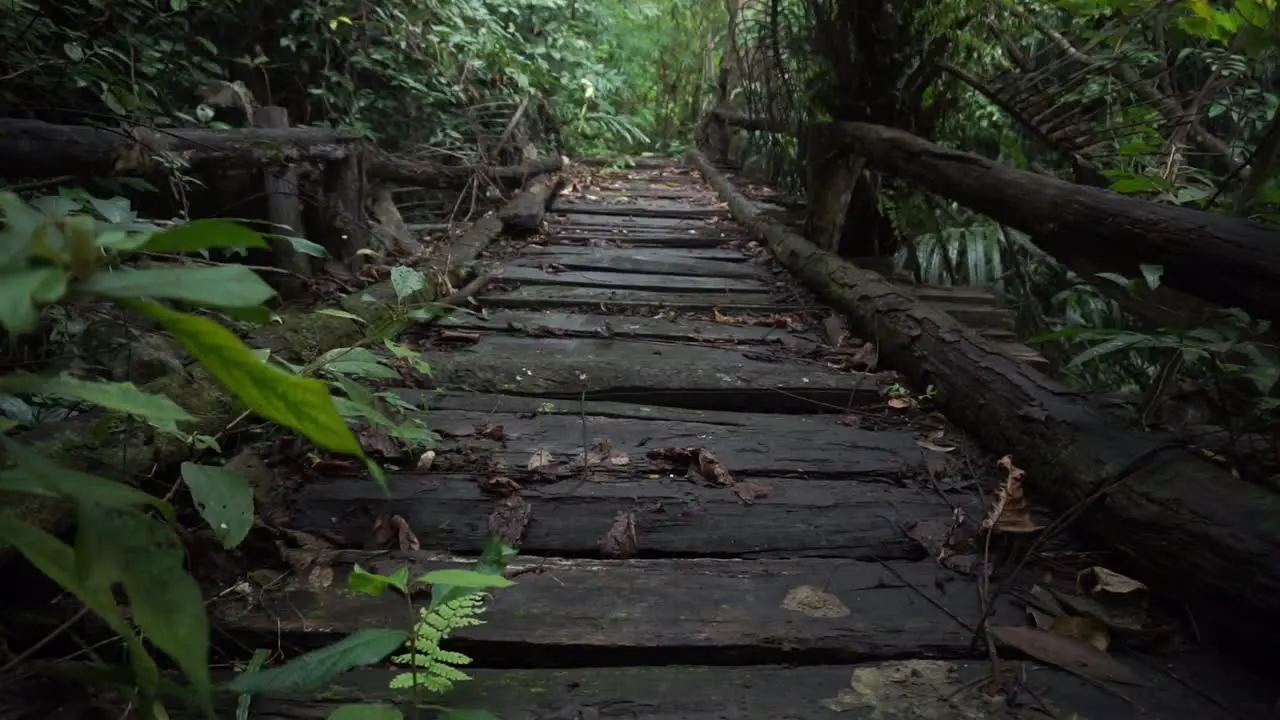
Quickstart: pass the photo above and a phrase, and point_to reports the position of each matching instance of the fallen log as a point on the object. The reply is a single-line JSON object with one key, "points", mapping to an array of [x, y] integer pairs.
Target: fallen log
{"points": [[1225, 260], [1192, 527], [426, 174], [749, 122], [525, 211], [36, 149]]}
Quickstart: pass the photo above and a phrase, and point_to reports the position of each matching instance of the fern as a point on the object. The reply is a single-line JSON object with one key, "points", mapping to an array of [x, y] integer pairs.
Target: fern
{"points": [[436, 667]]}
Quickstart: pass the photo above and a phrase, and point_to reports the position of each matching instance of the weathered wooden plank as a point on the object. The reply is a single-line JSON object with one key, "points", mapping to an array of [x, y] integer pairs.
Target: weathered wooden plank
{"points": [[892, 690], [688, 240], [810, 446], [977, 316], [599, 612], [666, 224], [952, 295], [654, 262], [673, 517], [650, 209], [682, 375], [633, 281], [502, 406], [545, 296], [645, 254], [586, 325]]}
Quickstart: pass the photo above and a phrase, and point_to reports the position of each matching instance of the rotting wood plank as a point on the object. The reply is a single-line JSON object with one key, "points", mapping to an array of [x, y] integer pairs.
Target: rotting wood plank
{"points": [[672, 517], [900, 689], [977, 317], [622, 222], [602, 613], [679, 211], [550, 296], [554, 324], [807, 446], [652, 262], [657, 255], [633, 281], [502, 406], [666, 374], [688, 241]]}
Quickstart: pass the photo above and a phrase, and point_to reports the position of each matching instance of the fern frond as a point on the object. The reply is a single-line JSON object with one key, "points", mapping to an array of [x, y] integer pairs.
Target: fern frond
{"points": [[435, 668]]}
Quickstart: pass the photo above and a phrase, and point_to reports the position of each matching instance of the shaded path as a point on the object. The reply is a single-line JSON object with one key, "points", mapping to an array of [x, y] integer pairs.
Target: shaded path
{"points": [[751, 499]]}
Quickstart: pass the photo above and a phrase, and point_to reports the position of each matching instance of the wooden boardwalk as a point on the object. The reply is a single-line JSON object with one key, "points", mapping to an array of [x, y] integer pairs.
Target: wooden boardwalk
{"points": [[748, 535]]}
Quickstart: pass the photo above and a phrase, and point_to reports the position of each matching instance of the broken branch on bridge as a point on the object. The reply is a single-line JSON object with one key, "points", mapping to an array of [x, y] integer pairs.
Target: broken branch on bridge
{"points": [[1229, 261], [524, 213], [1188, 522]]}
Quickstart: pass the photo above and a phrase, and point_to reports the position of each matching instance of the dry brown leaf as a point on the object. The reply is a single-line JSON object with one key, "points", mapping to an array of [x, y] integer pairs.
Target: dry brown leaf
{"points": [[620, 459], [378, 441], [538, 460], [852, 421], [491, 432], [509, 519], [936, 448], [1082, 628], [499, 485], [621, 541], [599, 452], [1098, 579], [1010, 512], [1067, 653], [748, 492], [898, 403], [709, 468], [390, 531]]}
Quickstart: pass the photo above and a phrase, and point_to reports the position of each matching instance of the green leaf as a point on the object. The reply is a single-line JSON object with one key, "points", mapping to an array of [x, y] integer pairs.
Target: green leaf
{"points": [[358, 362], [309, 672], [20, 224], [373, 584], [224, 499], [22, 290], [334, 312], [495, 556], [304, 246], [218, 286], [1113, 345], [204, 235], [301, 404], [33, 473], [122, 397], [1152, 274], [406, 281], [367, 711], [465, 579], [124, 545]]}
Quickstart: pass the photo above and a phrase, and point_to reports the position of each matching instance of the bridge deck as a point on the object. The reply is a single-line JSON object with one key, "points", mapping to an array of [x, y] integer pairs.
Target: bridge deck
{"points": [[753, 534]]}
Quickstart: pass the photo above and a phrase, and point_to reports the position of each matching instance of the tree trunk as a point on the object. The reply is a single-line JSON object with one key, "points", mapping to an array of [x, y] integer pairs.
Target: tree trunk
{"points": [[1229, 261], [284, 205], [1189, 524], [829, 179]]}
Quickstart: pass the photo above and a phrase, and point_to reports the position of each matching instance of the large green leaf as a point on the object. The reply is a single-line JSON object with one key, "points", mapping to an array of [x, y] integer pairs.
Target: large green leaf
{"points": [[309, 672], [123, 397], [144, 554], [204, 235], [234, 286], [224, 499], [301, 404], [19, 228], [22, 290]]}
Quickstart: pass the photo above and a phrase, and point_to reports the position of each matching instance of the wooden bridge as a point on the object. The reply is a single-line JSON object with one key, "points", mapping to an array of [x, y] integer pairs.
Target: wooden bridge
{"points": [[725, 507]]}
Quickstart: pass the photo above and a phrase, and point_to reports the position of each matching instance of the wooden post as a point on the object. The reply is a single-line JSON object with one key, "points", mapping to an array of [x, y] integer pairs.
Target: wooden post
{"points": [[345, 230], [830, 176], [284, 208]]}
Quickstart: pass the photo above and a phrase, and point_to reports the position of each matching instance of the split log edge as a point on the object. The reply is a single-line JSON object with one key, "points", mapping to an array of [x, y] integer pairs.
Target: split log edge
{"points": [[1189, 524]]}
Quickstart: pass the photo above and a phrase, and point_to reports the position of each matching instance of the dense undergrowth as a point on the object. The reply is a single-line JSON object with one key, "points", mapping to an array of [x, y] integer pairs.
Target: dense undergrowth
{"points": [[607, 78]]}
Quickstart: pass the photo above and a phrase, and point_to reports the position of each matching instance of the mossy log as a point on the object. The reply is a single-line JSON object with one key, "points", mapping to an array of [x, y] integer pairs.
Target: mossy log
{"points": [[1185, 524]]}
